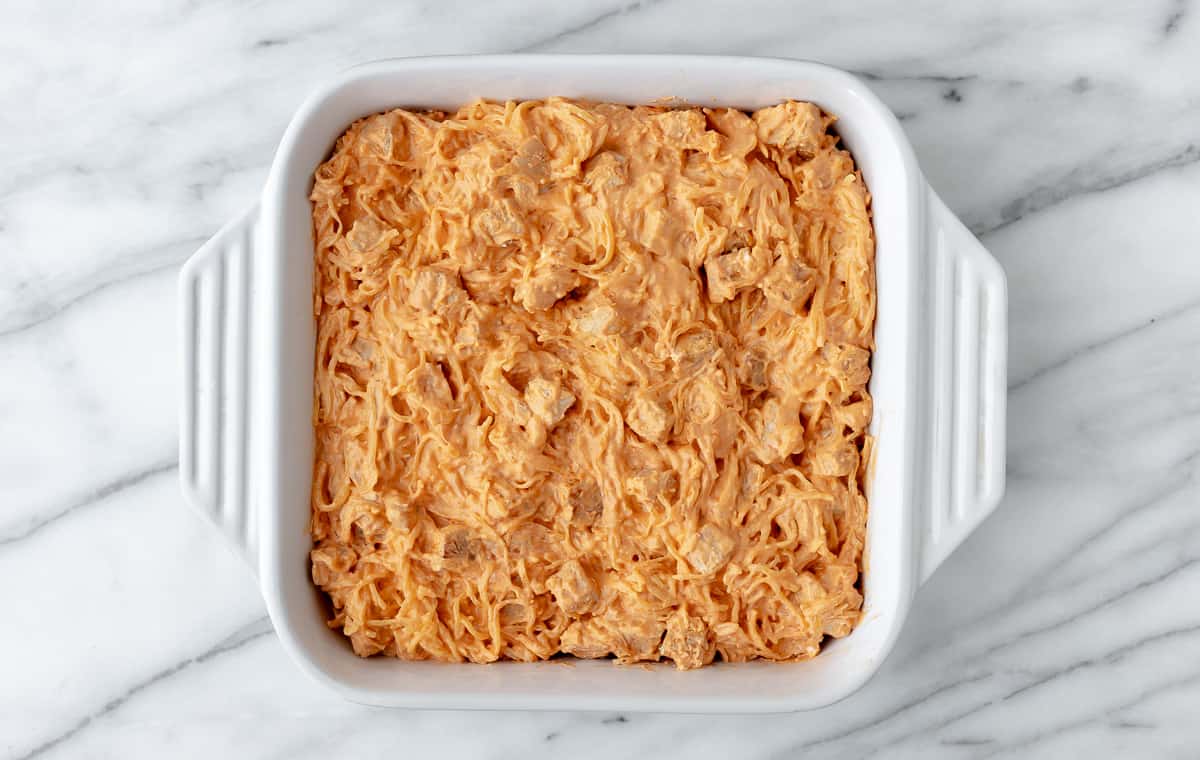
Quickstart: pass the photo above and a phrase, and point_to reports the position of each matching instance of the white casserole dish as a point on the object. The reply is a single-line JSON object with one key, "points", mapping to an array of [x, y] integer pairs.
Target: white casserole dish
{"points": [[938, 383]]}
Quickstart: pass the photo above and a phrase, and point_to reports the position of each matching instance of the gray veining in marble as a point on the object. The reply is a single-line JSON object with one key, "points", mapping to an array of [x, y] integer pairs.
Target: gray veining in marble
{"points": [[1067, 135]]}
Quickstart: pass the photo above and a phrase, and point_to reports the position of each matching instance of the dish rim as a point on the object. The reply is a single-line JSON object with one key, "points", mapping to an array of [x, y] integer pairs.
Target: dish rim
{"points": [[271, 428]]}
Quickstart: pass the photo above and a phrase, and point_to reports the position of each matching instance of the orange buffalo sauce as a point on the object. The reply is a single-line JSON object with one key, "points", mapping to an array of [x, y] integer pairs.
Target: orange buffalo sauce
{"points": [[591, 379]]}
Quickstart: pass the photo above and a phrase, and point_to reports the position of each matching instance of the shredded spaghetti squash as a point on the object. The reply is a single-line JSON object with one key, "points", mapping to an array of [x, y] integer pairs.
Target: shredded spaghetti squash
{"points": [[591, 379]]}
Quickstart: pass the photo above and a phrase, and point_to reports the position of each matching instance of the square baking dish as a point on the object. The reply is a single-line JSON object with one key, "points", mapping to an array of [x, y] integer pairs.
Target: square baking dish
{"points": [[938, 381]]}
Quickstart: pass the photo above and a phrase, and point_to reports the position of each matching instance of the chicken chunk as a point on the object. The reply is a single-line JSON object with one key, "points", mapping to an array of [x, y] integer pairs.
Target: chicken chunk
{"points": [[792, 126], [712, 551], [649, 418], [782, 433], [369, 235], [331, 561], [430, 388], [585, 640], [434, 289], [851, 363], [830, 611], [836, 460], [752, 371], [500, 223], [648, 484], [455, 548], [788, 286], [573, 590], [729, 273], [545, 287], [586, 502], [695, 349], [533, 160], [533, 542], [606, 171], [513, 450], [637, 637], [704, 401], [687, 642], [548, 400], [602, 320]]}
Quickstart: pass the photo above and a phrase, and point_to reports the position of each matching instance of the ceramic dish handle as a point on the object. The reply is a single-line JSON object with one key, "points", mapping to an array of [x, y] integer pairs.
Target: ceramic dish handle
{"points": [[969, 347], [214, 293]]}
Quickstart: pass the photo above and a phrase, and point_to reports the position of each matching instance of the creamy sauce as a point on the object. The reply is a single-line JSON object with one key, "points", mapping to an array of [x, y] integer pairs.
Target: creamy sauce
{"points": [[591, 379]]}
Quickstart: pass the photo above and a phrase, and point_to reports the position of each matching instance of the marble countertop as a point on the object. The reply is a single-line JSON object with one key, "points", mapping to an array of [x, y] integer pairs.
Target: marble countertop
{"points": [[1067, 136]]}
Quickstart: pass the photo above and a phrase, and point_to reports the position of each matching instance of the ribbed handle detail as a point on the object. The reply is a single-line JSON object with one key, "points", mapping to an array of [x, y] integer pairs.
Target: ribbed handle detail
{"points": [[968, 388], [215, 288]]}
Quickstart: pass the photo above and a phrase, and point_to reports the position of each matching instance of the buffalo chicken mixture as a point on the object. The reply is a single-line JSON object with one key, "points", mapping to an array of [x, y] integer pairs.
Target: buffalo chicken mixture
{"points": [[591, 379]]}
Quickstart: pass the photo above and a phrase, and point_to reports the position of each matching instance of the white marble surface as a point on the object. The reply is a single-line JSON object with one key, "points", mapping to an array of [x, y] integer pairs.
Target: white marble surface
{"points": [[1067, 134]]}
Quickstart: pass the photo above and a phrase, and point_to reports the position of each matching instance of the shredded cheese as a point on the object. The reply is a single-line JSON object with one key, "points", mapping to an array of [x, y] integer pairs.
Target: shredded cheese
{"points": [[591, 379]]}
